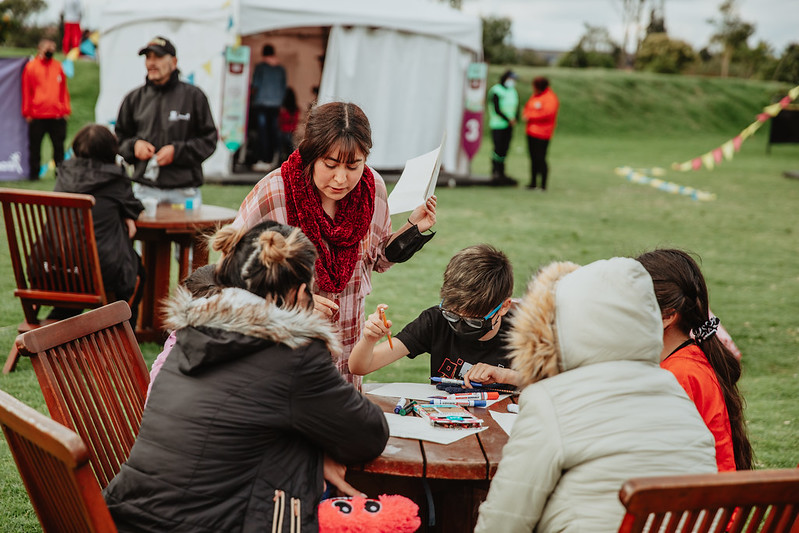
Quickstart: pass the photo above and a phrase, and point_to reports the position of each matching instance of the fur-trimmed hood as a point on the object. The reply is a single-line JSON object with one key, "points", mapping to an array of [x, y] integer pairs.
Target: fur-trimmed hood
{"points": [[576, 316], [237, 311]]}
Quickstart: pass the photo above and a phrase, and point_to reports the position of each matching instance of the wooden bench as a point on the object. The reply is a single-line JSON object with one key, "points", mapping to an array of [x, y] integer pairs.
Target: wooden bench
{"points": [[732, 502]]}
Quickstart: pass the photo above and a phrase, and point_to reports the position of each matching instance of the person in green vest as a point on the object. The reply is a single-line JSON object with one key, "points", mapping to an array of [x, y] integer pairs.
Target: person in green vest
{"points": [[503, 110]]}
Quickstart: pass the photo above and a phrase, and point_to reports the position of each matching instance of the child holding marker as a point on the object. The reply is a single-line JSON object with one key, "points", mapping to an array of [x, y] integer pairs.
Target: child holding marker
{"points": [[464, 333]]}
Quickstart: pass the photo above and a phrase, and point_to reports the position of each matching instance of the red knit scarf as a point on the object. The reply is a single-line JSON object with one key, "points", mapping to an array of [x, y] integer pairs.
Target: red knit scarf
{"points": [[336, 240]]}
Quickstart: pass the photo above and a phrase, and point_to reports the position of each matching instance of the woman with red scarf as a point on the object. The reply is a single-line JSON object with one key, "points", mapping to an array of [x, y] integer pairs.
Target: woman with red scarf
{"points": [[326, 189]]}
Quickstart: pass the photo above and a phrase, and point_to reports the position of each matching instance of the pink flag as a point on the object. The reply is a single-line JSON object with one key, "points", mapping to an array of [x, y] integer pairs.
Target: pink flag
{"points": [[762, 117], [736, 142], [717, 155], [696, 164], [785, 101], [472, 131]]}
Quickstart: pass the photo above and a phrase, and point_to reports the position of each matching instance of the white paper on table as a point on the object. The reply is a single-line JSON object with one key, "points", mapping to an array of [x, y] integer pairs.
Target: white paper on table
{"points": [[417, 182], [418, 391], [505, 420], [414, 427]]}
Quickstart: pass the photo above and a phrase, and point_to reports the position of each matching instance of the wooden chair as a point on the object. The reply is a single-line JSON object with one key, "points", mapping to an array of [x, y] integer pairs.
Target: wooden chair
{"points": [[753, 500], [54, 465], [94, 381], [53, 253]]}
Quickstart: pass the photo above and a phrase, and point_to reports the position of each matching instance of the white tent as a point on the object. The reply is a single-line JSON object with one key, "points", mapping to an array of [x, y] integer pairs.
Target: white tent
{"points": [[403, 61]]}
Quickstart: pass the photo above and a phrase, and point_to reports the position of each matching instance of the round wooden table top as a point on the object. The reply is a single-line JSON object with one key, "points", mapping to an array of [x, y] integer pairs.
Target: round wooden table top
{"points": [[172, 218]]}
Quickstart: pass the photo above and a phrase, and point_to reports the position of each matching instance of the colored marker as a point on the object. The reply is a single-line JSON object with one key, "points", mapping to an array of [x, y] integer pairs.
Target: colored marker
{"points": [[408, 408], [385, 323], [450, 381], [400, 404], [450, 401], [474, 396]]}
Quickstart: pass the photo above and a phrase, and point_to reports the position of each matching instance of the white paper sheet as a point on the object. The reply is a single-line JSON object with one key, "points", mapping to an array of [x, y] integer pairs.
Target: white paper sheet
{"points": [[414, 427], [418, 391], [505, 420], [417, 182]]}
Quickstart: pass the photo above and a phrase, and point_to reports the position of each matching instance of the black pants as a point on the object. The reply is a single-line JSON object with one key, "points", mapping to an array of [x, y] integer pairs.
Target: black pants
{"points": [[538, 160], [56, 128], [268, 132], [501, 140], [134, 299]]}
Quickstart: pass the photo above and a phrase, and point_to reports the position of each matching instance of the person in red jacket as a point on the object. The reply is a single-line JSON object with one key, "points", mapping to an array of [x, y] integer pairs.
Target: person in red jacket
{"points": [[45, 104], [541, 113], [694, 353]]}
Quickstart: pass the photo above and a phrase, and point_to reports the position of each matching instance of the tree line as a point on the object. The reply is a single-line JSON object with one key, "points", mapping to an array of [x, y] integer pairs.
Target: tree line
{"points": [[727, 54]]}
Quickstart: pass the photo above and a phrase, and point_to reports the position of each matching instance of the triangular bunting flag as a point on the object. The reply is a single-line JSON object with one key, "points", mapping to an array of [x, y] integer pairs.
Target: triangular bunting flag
{"points": [[728, 149], [717, 155], [708, 161]]}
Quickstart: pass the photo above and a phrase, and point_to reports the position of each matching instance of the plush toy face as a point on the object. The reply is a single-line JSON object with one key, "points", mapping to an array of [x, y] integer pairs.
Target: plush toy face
{"points": [[355, 515]]}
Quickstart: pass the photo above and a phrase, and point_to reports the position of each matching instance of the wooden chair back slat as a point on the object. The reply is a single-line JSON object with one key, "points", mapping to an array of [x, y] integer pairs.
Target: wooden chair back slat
{"points": [[54, 465], [763, 501], [94, 381], [53, 253]]}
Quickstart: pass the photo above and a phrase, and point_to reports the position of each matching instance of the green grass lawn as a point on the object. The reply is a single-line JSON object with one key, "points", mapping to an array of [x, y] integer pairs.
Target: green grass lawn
{"points": [[747, 238]]}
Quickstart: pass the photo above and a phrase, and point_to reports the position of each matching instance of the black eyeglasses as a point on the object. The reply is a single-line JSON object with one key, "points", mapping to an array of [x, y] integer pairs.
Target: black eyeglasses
{"points": [[472, 322]]}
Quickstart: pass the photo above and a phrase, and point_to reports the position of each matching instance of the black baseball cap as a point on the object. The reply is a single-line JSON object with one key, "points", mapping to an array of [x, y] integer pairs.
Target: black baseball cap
{"points": [[161, 46]]}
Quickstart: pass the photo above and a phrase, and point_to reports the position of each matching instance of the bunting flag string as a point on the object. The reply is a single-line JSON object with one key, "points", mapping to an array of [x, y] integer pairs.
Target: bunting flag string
{"points": [[635, 176], [726, 150]]}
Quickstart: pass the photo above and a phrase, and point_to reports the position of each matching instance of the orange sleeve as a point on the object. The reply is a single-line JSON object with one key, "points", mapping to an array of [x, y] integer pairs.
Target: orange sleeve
{"points": [[65, 94]]}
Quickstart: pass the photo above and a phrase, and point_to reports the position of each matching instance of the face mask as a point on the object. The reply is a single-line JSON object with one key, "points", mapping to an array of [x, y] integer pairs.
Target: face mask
{"points": [[48, 54], [465, 332], [510, 83]]}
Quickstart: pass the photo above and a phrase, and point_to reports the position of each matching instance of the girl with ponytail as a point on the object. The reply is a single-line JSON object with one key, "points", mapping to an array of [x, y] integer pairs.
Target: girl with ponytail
{"points": [[248, 413], [693, 352]]}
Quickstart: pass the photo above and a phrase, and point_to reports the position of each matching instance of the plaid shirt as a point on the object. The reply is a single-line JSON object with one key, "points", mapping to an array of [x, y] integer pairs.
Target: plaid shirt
{"points": [[267, 201]]}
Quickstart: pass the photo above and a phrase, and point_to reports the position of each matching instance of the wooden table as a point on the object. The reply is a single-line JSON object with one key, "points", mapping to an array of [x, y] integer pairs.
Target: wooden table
{"points": [[448, 482], [186, 228]]}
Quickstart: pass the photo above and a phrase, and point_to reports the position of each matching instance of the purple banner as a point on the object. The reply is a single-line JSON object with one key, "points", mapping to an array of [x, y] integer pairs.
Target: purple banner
{"points": [[14, 139]]}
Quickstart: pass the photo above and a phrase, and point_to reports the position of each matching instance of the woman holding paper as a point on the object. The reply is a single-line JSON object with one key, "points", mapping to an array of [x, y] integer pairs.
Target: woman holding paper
{"points": [[326, 189]]}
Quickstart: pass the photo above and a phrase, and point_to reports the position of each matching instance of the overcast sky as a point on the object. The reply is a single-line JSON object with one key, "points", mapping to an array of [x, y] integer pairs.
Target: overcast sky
{"points": [[558, 24]]}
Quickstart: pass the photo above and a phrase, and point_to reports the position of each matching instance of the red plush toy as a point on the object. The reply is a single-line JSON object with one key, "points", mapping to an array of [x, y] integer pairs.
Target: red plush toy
{"points": [[387, 514]]}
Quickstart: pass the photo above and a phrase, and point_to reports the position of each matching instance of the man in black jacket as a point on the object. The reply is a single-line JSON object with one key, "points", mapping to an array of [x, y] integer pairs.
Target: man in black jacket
{"points": [[165, 127]]}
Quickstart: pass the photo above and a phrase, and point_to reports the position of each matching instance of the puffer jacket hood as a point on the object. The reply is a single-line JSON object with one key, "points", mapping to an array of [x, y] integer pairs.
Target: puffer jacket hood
{"points": [[246, 319], [85, 176], [574, 316]]}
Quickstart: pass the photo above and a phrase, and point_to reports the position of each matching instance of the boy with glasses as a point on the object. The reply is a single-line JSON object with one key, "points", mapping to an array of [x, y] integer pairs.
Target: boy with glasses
{"points": [[464, 334]]}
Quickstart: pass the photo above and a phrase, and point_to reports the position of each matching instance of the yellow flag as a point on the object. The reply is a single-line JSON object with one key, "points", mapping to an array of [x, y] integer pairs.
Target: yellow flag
{"points": [[773, 109], [207, 67], [728, 149], [707, 160]]}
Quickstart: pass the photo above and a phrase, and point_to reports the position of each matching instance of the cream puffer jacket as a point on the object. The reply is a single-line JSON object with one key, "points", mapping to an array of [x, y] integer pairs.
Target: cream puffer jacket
{"points": [[597, 410]]}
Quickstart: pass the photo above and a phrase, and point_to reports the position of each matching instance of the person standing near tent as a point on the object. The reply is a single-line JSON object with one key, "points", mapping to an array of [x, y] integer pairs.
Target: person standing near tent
{"points": [[541, 112], [45, 104], [268, 91], [327, 190], [503, 110], [165, 129], [72, 33]]}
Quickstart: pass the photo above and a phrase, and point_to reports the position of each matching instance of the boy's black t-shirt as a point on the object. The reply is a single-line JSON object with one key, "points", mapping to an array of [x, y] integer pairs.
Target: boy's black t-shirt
{"points": [[451, 356]]}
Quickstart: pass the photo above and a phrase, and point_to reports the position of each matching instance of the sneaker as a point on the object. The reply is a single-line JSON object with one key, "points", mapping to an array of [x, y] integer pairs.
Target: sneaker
{"points": [[260, 166]]}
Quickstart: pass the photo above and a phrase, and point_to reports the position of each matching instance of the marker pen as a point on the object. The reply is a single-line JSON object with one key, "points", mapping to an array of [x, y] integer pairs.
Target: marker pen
{"points": [[474, 396], [400, 404], [450, 381], [407, 408], [465, 403]]}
